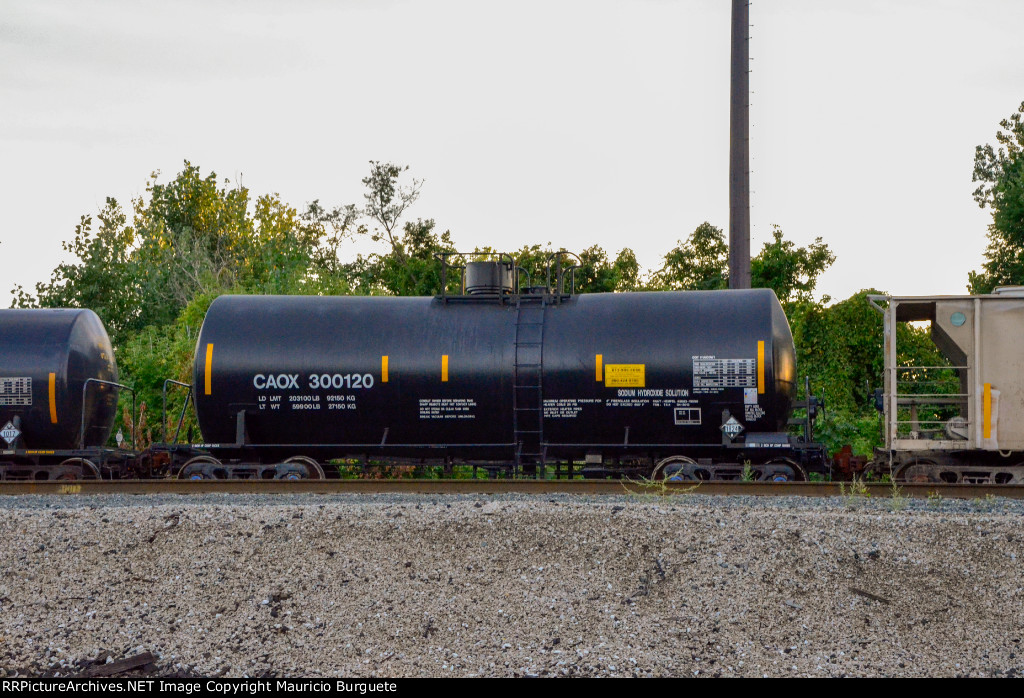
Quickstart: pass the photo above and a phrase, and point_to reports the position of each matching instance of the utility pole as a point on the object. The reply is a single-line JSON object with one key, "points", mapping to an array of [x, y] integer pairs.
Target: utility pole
{"points": [[739, 148]]}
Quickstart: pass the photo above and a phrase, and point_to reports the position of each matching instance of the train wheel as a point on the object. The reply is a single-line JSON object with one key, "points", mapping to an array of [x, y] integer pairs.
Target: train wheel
{"points": [[675, 469], [877, 469], [66, 473], [918, 470], [201, 468], [782, 470], [1007, 476], [76, 469], [313, 471]]}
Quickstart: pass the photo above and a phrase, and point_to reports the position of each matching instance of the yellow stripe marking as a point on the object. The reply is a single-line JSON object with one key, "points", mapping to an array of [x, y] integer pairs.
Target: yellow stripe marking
{"points": [[760, 368], [53, 398], [599, 368], [383, 369], [209, 369], [444, 368], [986, 407]]}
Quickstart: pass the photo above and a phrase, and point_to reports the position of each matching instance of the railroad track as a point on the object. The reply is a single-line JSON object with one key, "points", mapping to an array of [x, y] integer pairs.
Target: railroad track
{"points": [[539, 487]]}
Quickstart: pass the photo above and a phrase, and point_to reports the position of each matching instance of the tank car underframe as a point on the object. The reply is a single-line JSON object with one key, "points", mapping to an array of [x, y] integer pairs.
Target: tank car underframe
{"points": [[295, 461], [972, 467], [73, 464]]}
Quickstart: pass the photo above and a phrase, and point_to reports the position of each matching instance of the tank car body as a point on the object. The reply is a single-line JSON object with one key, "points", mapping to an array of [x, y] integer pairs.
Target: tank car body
{"points": [[615, 380], [53, 405]]}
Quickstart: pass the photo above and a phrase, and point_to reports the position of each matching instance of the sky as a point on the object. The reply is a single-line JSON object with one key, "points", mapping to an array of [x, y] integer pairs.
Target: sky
{"points": [[571, 123]]}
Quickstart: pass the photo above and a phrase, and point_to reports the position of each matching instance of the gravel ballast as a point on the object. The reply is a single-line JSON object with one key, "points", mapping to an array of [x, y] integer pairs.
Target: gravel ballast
{"points": [[388, 585]]}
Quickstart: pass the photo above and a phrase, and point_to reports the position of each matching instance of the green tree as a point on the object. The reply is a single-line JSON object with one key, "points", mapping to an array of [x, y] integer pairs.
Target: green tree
{"points": [[791, 271], [595, 272], [187, 237], [702, 263], [599, 274], [1000, 173], [332, 227], [387, 200], [155, 353], [103, 279], [410, 264], [411, 268], [699, 264]]}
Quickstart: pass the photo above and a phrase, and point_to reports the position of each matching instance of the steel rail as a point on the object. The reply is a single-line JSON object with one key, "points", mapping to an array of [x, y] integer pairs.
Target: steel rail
{"points": [[486, 487]]}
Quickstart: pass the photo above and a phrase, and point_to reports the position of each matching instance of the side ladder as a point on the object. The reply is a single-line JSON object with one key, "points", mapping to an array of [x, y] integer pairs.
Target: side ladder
{"points": [[527, 392]]}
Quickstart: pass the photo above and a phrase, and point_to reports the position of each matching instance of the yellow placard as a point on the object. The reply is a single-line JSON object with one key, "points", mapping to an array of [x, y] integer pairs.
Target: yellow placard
{"points": [[624, 375]]}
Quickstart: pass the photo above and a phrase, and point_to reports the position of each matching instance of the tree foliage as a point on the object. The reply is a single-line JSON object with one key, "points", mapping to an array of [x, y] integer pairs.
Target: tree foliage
{"points": [[412, 268], [103, 279], [791, 271], [387, 200], [702, 263], [699, 264], [186, 238], [1000, 173]]}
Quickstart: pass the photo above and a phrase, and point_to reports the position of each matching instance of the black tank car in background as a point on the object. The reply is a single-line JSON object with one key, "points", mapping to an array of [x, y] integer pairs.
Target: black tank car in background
{"points": [[58, 396]]}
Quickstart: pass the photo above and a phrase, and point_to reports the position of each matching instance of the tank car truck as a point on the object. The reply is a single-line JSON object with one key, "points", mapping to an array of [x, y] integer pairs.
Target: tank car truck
{"points": [[525, 380], [58, 397], [962, 422]]}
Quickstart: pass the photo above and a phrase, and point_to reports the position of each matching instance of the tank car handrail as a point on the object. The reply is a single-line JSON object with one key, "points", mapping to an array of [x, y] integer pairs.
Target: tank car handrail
{"points": [[930, 368], [85, 391], [181, 418], [529, 279], [506, 258], [560, 275]]}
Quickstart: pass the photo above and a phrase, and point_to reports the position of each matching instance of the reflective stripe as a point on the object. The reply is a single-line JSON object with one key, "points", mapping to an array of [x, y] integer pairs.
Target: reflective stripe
{"points": [[444, 368], [760, 368], [599, 368], [209, 369], [53, 398], [383, 369], [986, 407]]}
